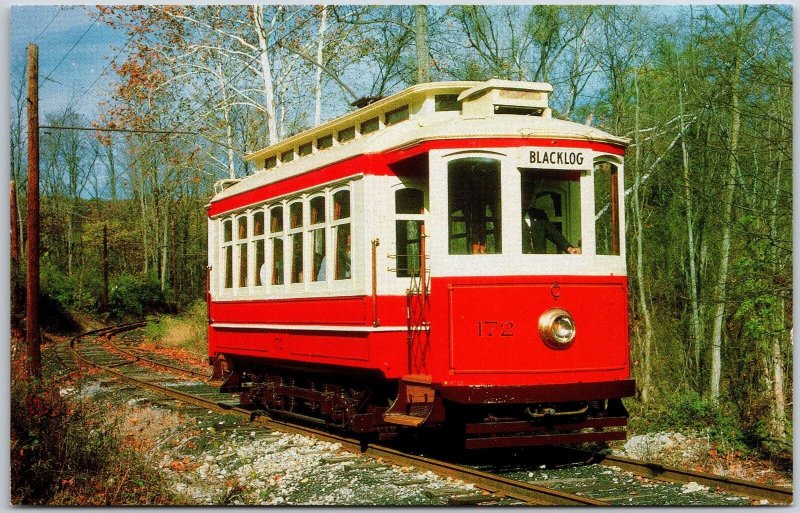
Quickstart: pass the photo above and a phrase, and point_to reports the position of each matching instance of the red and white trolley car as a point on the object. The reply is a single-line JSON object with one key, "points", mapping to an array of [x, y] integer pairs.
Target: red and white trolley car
{"points": [[448, 257]]}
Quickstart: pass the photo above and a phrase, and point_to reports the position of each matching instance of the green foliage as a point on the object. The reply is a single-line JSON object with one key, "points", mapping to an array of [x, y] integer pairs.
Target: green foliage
{"points": [[135, 296], [60, 454], [188, 330], [689, 411]]}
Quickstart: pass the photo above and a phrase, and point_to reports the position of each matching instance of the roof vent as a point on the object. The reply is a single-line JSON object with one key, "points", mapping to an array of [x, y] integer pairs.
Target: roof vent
{"points": [[507, 97]]}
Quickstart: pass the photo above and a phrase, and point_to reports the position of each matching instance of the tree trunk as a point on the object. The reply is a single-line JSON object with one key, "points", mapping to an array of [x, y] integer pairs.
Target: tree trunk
{"points": [[112, 174], [646, 332], [266, 71], [423, 53], [318, 79], [696, 328], [727, 218]]}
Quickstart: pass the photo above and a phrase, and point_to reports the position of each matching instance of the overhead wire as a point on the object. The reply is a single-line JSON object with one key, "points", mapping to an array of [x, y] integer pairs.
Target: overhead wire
{"points": [[48, 24], [46, 78]]}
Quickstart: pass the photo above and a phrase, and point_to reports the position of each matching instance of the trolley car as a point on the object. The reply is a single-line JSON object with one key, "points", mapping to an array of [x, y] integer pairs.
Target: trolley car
{"points": [[450, 257]]}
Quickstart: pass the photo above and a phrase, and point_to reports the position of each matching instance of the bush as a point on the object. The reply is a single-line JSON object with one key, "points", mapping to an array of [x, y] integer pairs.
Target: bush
{"points": [[62, 455], [688, 411], [186, 331], [135, 296]]}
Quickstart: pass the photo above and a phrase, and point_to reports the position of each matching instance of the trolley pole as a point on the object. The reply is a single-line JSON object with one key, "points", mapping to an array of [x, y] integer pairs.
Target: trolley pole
{"points": [[32, 335]]}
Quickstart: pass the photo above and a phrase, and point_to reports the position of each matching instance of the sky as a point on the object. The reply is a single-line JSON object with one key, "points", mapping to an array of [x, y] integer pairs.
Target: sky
{"points": [[73, 53]]}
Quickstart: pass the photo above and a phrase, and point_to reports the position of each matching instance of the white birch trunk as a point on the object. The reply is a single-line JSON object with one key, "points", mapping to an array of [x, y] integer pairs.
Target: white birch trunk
{"points": [[266, 71], [646, 332], [318, 79], [727, 216], [696, 328]]}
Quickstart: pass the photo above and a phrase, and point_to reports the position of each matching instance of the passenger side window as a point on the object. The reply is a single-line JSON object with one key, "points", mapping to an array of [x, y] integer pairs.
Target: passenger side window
{"points": [[276, 242], [258, 248], [317, 227], [227, 252], [241, 249], [340, 227], [296, 241]]}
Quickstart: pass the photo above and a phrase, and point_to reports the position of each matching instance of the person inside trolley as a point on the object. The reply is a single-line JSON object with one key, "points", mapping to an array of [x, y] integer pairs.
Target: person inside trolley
{"points": [[542, 230]]}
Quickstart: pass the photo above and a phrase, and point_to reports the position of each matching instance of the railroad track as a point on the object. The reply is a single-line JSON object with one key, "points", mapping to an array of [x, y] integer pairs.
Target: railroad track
{"points": [[120, 362]]}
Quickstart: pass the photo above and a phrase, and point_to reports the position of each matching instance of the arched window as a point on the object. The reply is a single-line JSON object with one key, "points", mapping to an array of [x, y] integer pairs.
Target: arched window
{"points": [[276, 243], [296, 241], [317, 230], [340, 229], [241, 250], [606, 205], [227, 252]]}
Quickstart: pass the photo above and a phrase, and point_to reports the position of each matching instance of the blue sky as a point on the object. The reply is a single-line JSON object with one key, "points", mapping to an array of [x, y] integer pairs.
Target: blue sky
{"points": [[55, 29]]}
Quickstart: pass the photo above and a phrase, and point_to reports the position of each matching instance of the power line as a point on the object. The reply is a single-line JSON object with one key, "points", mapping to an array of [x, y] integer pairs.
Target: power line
{"points": [[48, 24], [70, 50], [86, 91], [108, 129]]}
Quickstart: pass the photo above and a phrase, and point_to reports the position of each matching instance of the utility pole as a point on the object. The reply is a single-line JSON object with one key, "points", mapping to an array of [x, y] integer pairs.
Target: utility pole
{"points": [[32, 335], [16, 287], [105, 267]]}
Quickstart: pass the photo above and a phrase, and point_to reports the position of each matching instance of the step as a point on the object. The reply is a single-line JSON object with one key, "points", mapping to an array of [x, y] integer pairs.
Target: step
{"points": [[403, 420]]}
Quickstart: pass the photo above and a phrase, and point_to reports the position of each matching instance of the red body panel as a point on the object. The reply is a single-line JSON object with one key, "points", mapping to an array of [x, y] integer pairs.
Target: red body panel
{"points": [[483, 331]]}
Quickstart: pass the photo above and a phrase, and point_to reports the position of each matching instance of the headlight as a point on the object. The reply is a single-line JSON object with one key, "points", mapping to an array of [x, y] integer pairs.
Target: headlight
{"points": [[557, 328]]}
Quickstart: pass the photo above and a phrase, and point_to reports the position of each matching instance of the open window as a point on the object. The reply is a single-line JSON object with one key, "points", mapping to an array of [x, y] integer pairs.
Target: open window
{"points": [[551, 218], [474, 206], [317, 230], [606, 204]]}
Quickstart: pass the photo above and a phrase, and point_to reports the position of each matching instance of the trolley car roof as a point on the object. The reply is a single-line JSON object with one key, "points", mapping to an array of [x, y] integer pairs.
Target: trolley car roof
{"points": [[422, 125]]}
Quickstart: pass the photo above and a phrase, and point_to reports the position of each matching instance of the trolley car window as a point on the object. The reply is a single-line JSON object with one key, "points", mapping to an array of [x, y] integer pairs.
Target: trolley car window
{"points": [[342, 265], [271, 162], [341, 205], [304, 149], [276, 220], [397, 115], [550, 211], [370, 125], [325, 142], [287, 156], [258, 243], [447, 102], [241, 249], [227, 228], [296, 241], [347, 134], [606, 204], [296, 215], [341, 234], [276, 229], [474, 206], [229, 267], [318, 264], [408, 202]]}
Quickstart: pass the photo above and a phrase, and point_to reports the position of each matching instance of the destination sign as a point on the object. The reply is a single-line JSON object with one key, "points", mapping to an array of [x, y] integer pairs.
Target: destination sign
{"points": [[555, 158]]}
